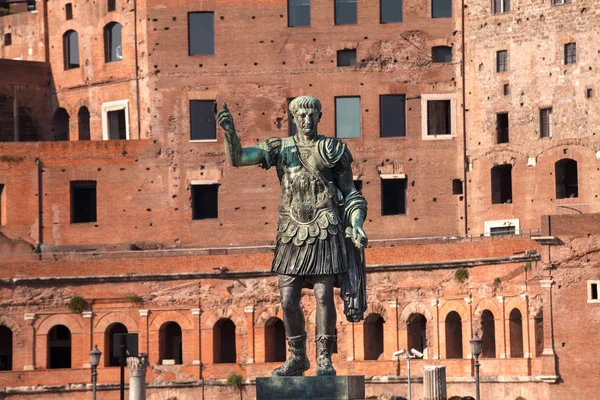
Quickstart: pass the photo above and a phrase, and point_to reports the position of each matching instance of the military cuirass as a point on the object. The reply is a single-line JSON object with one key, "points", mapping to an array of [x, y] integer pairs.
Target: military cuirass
{"points": [[307, 210]]}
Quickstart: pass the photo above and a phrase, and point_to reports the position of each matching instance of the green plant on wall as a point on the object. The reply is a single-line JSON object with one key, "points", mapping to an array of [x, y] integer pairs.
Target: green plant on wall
{"points": [[496, 284], [11, 160], [134, 298], [461, 275], [76, 304], [234, 381], [527, 266]]}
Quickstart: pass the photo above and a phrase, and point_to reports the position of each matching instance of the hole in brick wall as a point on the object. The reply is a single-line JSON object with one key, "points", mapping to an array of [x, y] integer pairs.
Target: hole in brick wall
{"points": [[200, 65], [122, 169], [311, 62], [283, 62], [176, 65], [222, 17], [253, 17], [262, 41], [435, 199], [174, 18], [366, 37], [148, 209], [99, 169], [272, 41], [314, 40], [63, 170], [166, 28], [416, 219], [310, 84], [255, 64], [225, 64]]}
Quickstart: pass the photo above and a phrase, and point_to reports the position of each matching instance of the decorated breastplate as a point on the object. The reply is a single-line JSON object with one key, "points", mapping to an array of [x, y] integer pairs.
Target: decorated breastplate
{"points": [[306, 210]]}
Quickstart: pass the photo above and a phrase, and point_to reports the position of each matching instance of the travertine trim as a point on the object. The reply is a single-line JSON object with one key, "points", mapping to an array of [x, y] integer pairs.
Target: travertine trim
{"points": [[144, 313], [500, 299], [196, 311], [86, 314], [434, 302], [249, 309], [393, 304], [468, 300], [28, 368], [114, 106], [29, 316], [546, 283], [392, 176]]}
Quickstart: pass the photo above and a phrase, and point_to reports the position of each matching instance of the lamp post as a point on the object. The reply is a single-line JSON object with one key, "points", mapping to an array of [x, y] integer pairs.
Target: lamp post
{"points": [[476, 351], [94, 361]]}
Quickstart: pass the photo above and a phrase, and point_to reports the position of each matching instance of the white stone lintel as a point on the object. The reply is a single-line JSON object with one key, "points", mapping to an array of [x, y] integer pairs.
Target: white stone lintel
{"points": [[250, 361], [29, 316], [86, 314], [28, 368], [531, 162], [546, 283], [548, 352], [502, 355], [196, 311], [86, 366], [144, 313], [500, 299], [468, 300], [434, 302], [249, 309], [196, 362], [525, 296], [393, 304]]}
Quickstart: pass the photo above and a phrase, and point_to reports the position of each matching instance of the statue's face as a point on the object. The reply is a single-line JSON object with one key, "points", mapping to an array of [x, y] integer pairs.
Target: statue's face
{"points": [[306, 120]]}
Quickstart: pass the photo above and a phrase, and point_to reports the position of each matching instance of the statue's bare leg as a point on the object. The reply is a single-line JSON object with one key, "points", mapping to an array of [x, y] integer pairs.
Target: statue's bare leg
{"points": [[293, 319], [326, 319]]}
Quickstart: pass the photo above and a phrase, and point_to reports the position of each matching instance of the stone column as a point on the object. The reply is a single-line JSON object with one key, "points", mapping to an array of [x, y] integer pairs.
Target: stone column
{"points": [[88, 331], [435, 343], [249, 311], [29, 356], [502, 339], [137, 376], [434, 382]]}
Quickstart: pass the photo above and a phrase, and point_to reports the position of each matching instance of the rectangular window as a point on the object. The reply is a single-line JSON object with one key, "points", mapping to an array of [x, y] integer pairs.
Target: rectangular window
{"points": [[500, 6], [347, 117], [345, 12], [502, 184], [112, 5], [205, 201], [7, 39], [83, 202], [291, 124], [557, 2], [441, 54], [593, 295], [502, 61], [570, 53], [546, 123], [202, 120], [2, 206], [69, 11], [441, 8], [506, 89], [589, 93], [346, 58], [457, 186], [201, 33], [390, 11], [438, 117], [298, 13], [502, 127], [393, 196], [392, 109], [116, 125], [31, 6], [502, 230]]}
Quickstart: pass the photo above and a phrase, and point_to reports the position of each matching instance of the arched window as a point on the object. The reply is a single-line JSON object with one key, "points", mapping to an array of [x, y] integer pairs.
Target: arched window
{"points": [[29, 129], [515, 328], [60, 125], [539, 334], [113, 50], [565, 172], [416, 328], [84, 123], [110, 359], [170, 343], [373, 336], [224, 350], [488, 337], [454, 345], [71, 49], [274, 340], [59, 347], [6, 348]]}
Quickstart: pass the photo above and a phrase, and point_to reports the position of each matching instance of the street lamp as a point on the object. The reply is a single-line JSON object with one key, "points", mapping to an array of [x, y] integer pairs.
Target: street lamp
{"points": [[476, 351], [94, 361], [414, 353]]}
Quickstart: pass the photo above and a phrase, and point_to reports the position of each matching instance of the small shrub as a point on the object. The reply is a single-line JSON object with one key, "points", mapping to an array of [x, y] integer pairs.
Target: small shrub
{"points": [[134, 298], [76, 304], [497, 282], [11, 160], [461, 275], [234, 381], [527, 266]]}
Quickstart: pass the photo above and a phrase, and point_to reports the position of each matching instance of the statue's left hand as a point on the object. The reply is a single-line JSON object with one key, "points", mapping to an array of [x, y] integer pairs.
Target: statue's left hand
{"points": [[359, 237]]}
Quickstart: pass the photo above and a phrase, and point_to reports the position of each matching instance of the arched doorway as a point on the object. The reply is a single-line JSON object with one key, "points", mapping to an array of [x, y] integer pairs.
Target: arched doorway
{"points": [[6, 348], [515, 327], [416, 328], [83, 118], [110, 360], [59, 347], [373, 336], [454, 345], [170, 342], [224, 346], [60, 125], [488, 337], [274, 340]]}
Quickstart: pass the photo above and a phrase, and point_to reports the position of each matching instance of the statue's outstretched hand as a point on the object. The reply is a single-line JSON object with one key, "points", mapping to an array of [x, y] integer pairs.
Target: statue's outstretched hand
{"points": [[225, 119]]}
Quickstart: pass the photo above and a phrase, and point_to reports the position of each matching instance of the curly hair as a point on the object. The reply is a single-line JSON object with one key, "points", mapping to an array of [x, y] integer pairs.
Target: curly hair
{"points": [[304, 102]]}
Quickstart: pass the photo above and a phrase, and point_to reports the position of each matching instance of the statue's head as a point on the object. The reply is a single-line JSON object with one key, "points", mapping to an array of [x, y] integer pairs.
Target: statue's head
{"points": [[306, 111]]}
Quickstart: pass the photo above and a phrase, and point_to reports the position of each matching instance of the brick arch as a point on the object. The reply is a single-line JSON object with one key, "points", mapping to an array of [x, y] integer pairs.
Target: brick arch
{"points": [[10, 324], [415, 307], [106, 320], [211, 318], [107, 19], [454, 305], [69, 320], [266, 315], [488, 304], [377, 307], [165, 316], [516, 302]]}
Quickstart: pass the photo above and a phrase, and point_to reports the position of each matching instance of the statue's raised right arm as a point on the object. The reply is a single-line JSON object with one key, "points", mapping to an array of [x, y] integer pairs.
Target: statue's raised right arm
{"points": [[236, 155]]}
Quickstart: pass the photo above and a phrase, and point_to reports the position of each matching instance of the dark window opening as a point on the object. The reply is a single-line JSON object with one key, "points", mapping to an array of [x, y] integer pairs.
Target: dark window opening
{"points": [[594, 290], [546, 130], [6, 348], [539, 334], [441, 8], [275, 349], [117, 126], [83, 202], [500, 6], [202, 120], [506, 89], [438, 117], [2, 206], [84, 123], [502, 61], [502, 127], [441, 54], [454, 344], [565, 172], [457, 186], [59, 347], [502, 184], [373, 337], [488, 336], [71, 49], [109, 343], [345, 12], [205, 201], [112, 5], [113, 50], [224, 350], [7, 39], [416, 328], [502, 230], [556, 2], [171, 343], [570, 53], [393, 196], [31, 6], [291, 123], [589, 93], [298, 13], [358, 184], [515, 328], [346, 58], [392, 115], [60, 125], [201, 33], [347, 117], [390, 11], [69, 11]]}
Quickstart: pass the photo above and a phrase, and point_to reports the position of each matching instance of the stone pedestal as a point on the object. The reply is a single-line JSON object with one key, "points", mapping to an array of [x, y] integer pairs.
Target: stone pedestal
{"points": [[311, 387], [137, 376], [434, 383]]}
